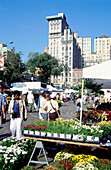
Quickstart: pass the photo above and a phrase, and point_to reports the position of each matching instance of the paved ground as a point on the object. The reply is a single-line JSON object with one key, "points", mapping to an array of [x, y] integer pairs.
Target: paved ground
{"points": [[68, 111]]}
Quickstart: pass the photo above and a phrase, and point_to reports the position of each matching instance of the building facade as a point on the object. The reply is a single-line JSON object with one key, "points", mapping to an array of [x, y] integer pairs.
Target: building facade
{"points": [[102, 47], [77, 75], [63, 45], [85, 45], [4, 50]]}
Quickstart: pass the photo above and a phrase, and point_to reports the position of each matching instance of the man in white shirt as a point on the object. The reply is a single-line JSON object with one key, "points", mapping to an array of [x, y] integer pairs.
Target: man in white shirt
{"points": [[40, 107], [30, 98]]}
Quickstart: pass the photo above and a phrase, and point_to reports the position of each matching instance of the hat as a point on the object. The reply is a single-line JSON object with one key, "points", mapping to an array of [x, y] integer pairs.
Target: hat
{"points": [[5, 94], [53, 95]]}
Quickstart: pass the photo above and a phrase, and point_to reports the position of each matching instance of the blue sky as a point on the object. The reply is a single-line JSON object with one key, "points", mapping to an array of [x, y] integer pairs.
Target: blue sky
{"points": [[24, 21]]}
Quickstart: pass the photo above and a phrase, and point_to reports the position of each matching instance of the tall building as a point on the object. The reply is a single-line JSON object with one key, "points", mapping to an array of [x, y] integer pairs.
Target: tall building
{"points": [[63, 45], [85, 46], [102, 47], [4, 50]]}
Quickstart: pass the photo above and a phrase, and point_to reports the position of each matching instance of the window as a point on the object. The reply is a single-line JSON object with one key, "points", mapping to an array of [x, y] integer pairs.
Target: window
{"points": [[69, 79], [81, 74], [62, 39], [62, 48], [78, 74], [69, 74], [70, 53], [69, 64], [62, 54], [69, 48], [74, 80], [75, 74], [66, 58]]}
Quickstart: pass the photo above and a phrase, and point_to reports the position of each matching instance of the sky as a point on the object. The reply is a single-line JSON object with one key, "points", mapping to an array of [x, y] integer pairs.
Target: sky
{"points": [[24, 21]]}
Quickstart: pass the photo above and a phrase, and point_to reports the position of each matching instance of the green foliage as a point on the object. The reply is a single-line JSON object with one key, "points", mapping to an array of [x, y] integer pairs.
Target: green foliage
{"points": [[88, 83], [46, 64], [13, 67]]}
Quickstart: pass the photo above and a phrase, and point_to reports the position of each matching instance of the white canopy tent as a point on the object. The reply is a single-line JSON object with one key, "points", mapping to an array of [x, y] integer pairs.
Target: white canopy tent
{"points": [[100, 72]]}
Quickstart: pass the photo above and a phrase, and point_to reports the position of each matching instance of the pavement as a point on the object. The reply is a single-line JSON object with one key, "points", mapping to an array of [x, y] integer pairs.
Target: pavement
{"points": [[68, 111]]}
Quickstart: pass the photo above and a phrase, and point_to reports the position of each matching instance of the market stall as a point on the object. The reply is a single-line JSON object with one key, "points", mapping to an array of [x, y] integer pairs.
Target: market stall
{"points": [[100, 72]]}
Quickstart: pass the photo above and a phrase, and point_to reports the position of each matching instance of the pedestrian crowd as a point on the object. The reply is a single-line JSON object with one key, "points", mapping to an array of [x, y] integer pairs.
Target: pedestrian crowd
{"points": [[19, 105]]}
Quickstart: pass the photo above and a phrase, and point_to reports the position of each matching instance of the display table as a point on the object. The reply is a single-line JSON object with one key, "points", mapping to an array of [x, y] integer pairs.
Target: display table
{"points": [[62, 141], [39, 144]]}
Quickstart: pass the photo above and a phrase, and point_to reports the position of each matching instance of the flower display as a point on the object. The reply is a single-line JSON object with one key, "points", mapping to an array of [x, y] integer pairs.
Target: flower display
{"points": [[65, 160], [12, 152], [72, 127], [34, 127], [84, 165]]}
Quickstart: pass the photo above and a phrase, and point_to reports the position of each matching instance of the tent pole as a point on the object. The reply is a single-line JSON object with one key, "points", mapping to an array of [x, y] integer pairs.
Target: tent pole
{"points": [[81, 101]]}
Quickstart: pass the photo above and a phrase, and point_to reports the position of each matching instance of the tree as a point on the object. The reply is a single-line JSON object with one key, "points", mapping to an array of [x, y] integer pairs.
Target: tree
{"points": [[46, 65], [13, 67], [88, 83]]}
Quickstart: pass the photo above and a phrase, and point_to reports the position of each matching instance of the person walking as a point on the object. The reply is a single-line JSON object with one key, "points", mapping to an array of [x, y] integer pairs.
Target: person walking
{"points": [[78, 104], [30, 98], [18, 113], [40, 107], [52, 108], [2, 104]]}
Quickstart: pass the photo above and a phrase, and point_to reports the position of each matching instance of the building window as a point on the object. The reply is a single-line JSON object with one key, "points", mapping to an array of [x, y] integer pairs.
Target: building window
{"points": [[70, 53], [66, 79], [75, 74], [74, 80], [78, 74], [69, 74], [62, 48]]}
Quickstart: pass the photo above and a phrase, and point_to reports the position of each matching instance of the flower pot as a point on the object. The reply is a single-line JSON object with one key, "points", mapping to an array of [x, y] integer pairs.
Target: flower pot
{"points": [[55, 135], [37, 133], [68, 136], [89, 138], [75, 137], [26, 132], [62, 135], [31, 132], [49, 134], [80, 138], [96, 139], [43, 133]]}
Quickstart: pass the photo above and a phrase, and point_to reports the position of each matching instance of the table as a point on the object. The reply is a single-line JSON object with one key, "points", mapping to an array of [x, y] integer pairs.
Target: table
{"points": [[40, 145]]}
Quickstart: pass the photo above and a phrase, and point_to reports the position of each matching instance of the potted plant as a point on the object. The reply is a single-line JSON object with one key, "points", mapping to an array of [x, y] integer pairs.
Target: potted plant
{"points": [[25, 129], [69, 132]]}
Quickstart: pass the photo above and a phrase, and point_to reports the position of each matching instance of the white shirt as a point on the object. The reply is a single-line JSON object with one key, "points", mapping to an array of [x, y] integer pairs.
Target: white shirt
{"points": [[30, 98], [49, 107], [43, 101]]}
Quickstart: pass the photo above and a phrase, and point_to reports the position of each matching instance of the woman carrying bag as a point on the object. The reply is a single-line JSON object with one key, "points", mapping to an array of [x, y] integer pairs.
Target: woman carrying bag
{"points": [[52, 108]]}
